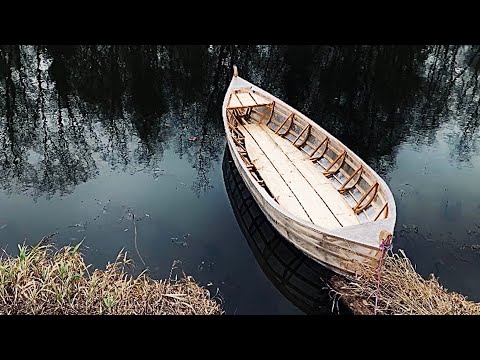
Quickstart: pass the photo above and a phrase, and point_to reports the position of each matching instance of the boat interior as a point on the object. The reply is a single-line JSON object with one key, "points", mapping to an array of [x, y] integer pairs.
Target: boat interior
{"points": [[305, 171]]}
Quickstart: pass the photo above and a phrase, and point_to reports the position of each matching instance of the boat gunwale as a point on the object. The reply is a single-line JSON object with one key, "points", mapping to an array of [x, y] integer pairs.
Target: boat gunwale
{"points": [[340, 233]]}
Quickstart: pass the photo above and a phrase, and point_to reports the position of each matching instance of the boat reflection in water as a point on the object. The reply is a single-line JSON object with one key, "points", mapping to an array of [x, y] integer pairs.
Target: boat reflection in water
{"points": [[300, 279]]}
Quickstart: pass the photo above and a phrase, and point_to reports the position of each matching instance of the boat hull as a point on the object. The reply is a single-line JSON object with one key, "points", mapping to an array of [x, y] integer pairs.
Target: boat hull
{"points": [[338, 250]]}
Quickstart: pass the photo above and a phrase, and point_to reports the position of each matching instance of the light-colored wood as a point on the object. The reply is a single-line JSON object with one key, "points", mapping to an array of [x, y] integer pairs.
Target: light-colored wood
{"points": [[260, 100], [319, 182], [234, 102], [235, 94], [250, 94], [313, 205], [246, 99], [283, 195]]}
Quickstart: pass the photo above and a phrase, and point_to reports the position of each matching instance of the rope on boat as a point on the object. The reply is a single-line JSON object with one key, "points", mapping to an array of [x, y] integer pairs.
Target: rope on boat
{"points": [[385, 246]]}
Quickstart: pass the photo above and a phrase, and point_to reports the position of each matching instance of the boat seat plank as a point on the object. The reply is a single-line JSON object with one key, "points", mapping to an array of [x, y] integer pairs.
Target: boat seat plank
{"points": [[311, 202], [233, 103], [272, 178], [260, 100], [246, 99], [322, 185]]}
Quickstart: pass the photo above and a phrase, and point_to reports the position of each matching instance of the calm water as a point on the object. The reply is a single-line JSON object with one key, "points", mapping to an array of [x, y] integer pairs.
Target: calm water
{"points": [[91, 134]]}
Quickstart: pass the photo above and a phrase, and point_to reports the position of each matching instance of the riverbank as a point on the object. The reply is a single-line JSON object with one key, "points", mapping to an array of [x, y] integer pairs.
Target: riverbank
{"points": [[42, 280], [400, 291]]}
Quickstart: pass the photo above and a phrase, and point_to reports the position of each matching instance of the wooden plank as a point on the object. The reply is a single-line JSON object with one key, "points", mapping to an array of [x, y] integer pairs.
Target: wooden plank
{"points": [[246, 99], [272, 178], [260, 99], [240, 101], [250, 94], [306, 195], [234, 101], [319, 182]]}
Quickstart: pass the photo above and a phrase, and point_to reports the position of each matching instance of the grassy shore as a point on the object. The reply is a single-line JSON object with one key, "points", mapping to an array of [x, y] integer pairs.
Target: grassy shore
{"points": [[400, 291], [42, 280]]}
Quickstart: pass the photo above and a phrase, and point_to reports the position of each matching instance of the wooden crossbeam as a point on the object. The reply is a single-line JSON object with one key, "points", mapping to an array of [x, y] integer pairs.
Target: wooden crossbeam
{"points": [[328, 171], [357, 208]]}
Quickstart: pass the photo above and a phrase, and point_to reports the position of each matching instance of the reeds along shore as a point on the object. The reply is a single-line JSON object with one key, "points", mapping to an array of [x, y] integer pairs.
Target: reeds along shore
{"points": [[400, 291], [42, 280]]}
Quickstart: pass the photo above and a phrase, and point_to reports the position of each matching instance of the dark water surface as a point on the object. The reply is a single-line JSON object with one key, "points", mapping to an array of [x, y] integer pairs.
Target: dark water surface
{"points": [[92, 134]]}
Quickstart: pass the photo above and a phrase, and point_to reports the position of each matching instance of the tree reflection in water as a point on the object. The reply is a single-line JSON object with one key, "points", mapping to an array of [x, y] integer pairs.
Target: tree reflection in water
{"points": [[66, 107]]}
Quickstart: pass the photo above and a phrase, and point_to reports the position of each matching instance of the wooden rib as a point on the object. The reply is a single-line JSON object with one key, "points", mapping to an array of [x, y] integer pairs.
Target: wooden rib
{"points": [[323, 152], [318, 147], [380, 212], [263, 117], [328, 170], [343, 188], [301, 133], [271, 114], [308, 127], [283, 123], [289, 127], [357, 208]]}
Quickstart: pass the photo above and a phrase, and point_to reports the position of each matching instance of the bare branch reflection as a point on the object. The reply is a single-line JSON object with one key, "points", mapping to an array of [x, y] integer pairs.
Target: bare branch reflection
{"points": [[64, 108]]}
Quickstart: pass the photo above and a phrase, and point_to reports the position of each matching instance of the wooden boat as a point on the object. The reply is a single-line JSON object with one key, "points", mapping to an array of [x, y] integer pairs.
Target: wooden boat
{"points": [[313, 189]]}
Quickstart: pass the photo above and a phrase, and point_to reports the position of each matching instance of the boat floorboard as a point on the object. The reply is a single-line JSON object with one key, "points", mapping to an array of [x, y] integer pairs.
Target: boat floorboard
{"points": [[295, 182]]}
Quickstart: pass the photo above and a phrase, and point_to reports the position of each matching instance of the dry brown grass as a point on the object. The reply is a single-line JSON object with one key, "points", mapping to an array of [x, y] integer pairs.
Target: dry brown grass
{"points": [[403, 291], [41, 280]]}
